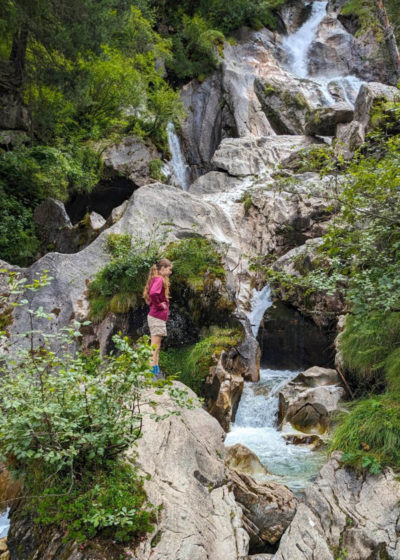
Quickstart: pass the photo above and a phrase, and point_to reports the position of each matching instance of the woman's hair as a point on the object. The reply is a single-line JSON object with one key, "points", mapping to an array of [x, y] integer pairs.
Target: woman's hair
{"points": [[155, 271]]}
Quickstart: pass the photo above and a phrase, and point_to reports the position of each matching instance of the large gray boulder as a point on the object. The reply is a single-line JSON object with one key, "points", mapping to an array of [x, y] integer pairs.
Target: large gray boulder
{"points": [[214, 182], [369, 96], [205, 124], [345, 515], [243, 460], [199, 517], [323, 121], [336, 52], [310, 399], [130, 158], [242, 157], [285, 104], [350, 136], [268, 507]]}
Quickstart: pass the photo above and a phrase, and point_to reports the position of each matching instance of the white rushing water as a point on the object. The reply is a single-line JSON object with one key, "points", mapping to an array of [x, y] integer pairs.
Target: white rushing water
{"points": [[255, 427], [297, 46], [260, 302], [180, 167], [4, 523], [256, 418]]}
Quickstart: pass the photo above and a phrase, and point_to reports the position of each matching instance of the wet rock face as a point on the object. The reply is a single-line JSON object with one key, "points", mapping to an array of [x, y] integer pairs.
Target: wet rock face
{"points": [[324, 121], [243, 460], [322, 309], [335, 52], [206, 124], [268, 508], [342, 511], [288, 340], [293, 14], [222, 391], [309, 401]]}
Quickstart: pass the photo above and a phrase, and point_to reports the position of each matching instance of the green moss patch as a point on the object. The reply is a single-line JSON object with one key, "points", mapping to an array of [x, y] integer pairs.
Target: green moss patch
{"points": [[191, 364]]}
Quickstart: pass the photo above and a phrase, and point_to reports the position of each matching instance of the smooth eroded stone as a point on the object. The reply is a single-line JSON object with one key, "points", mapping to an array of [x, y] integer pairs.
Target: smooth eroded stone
{"points": [[242, 459]]}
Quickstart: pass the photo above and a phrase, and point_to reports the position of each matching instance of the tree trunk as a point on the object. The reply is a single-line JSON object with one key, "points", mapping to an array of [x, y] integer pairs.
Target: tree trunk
{"points": [[18, 55], [389, 36]]}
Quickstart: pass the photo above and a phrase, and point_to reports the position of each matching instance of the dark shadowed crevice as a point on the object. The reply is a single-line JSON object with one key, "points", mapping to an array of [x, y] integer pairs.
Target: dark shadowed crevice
{"points": [[107, 195], [288, 340]]}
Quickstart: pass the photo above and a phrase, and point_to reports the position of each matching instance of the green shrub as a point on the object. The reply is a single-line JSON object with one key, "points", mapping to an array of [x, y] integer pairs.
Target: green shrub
{"points": [[18, 240], [195, 49], [155, 168], [194, 257], [66, 417], [197, 264], [369, 435], [366, 344], [119, 285]]}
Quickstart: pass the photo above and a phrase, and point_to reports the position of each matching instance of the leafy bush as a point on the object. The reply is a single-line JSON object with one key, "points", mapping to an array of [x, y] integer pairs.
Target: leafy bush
{"points": [[18, 241], [194, 257], [119, 285], [66, 416], [197, 264], [195, 49]]}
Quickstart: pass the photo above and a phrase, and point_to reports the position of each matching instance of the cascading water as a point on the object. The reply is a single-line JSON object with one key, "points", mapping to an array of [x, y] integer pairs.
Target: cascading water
{"points": [[260, 302], [256, 428], [256, 419], [179, 165], [297, 46], [4, 523]]}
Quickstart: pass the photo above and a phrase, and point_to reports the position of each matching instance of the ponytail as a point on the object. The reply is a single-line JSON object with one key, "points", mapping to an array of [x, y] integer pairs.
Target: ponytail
{"points": [[155, 271]]}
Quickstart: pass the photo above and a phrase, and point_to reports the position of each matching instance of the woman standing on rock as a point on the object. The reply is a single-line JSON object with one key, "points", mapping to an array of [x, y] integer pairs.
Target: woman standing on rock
{"points": [[156, 294]]}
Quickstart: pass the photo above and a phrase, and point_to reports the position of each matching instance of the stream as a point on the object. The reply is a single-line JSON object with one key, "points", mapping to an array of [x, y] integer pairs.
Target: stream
{"points": [[256, 426]]}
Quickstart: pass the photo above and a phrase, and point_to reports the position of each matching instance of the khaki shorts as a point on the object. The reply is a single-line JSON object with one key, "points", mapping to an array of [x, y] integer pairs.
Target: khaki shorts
{"points": [[157, 327]]}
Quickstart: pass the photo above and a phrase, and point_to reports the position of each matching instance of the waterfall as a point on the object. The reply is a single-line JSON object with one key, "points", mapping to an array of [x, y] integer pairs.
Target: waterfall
{"points": [[260, 302], [179, 165], [4, 523], [255, 427], [298, 44]]}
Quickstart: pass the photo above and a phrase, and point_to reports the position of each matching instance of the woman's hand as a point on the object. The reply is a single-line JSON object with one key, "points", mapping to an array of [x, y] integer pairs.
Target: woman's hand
{"points": [[163, 305]]}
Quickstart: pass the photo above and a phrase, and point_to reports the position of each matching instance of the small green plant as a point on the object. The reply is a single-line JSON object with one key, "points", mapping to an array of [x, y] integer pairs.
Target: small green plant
{"points": [[155, 168], [247, 201]]}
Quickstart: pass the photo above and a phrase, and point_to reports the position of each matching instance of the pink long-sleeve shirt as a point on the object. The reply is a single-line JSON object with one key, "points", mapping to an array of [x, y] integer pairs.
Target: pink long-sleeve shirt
{"points": [[157, 297]]}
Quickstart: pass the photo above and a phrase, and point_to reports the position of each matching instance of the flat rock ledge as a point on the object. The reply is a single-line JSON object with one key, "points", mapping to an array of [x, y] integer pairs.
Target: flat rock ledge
{"points": [[345, 515]]}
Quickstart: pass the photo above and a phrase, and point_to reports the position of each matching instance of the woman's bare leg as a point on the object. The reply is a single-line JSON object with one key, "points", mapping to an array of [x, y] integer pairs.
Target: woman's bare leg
{"points": [[155, 341]]}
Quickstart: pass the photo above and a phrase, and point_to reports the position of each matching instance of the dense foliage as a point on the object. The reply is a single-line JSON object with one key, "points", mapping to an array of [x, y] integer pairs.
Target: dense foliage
{"points": [[66, 416], [89, 72]]}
